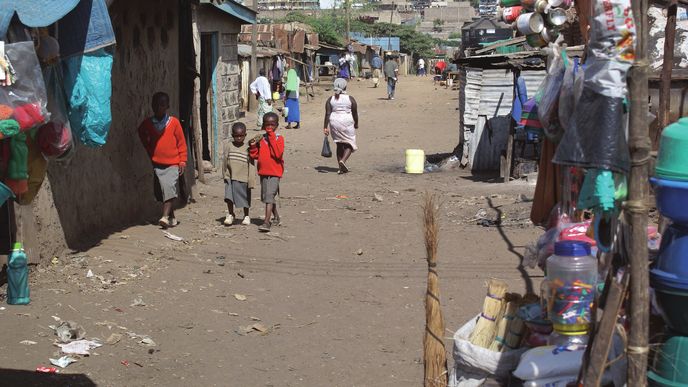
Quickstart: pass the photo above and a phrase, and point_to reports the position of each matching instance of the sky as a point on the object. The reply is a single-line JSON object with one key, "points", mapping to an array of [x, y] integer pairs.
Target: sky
{"points": [[326, 3]]}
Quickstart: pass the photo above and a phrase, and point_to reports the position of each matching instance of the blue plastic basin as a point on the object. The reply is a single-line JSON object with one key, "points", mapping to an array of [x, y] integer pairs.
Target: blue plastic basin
{"points": [[672, 197], [5, 193]]}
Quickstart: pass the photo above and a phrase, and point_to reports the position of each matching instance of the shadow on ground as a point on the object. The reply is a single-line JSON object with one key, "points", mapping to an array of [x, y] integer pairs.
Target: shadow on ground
{"points": [[11, 378]]}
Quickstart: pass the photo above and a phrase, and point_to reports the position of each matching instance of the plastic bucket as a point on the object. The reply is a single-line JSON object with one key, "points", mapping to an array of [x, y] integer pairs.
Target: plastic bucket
{"points": [[672, 159], [671, 363], [510, 14], [5, 193], [530, 23], [671, 197], [415, 161]]}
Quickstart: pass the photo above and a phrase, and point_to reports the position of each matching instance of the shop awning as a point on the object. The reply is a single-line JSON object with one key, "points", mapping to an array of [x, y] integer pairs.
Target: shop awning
{"points": [[235, 9], [33, 13]]}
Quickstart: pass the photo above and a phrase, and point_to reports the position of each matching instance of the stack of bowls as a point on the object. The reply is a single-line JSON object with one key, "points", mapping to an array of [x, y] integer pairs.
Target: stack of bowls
{"points": [[669, 273]]}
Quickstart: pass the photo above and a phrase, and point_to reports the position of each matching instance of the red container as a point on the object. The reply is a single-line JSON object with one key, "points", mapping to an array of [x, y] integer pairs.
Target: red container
{"points": [[510, 14]]}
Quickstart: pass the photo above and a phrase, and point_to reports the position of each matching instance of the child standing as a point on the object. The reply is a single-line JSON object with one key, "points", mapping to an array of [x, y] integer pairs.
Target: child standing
{"points": [[163, 138], [269, 152], [239, 174]]}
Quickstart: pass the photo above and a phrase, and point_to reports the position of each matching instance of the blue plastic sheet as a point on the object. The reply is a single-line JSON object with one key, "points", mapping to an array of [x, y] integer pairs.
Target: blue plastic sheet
{"points": [[88, 84]]}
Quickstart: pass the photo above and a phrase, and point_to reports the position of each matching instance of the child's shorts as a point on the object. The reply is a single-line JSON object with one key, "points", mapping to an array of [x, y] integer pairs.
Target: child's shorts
{"points": [[238, 193], [269, 189]]}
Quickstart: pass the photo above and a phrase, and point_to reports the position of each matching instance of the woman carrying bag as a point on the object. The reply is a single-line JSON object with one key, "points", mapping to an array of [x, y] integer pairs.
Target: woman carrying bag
{"points": [[341, 122]]}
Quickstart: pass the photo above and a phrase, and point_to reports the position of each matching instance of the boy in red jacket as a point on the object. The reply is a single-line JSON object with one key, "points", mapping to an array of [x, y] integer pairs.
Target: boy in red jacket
{"points": [[163, 138], [268, 150]]}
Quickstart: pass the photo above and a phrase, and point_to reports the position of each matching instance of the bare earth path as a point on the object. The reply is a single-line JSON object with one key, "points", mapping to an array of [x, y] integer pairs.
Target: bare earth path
{"points": [[338, 289]]}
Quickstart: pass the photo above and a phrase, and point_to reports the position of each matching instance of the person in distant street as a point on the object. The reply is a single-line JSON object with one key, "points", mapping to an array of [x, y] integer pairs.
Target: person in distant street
{"points": [[292, 99], [376, 64], [439, 70], [261, 89], [341, 122], [276, 74], [163, 138], [421, 68], [239, 174], [344, 67], [392, 75], [268, 149]]}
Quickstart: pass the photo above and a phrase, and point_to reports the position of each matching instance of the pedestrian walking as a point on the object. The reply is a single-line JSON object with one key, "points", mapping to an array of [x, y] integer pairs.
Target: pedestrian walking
{"points": [[269, 152], [392, 74], [239, 174], [341, 122], [376, 64], [163, 138], [261, 89], [276, 74], [421, 68], [292, 99]]}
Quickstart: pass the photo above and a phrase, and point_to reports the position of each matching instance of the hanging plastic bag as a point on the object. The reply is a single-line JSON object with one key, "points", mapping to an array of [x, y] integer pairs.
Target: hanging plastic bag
{"points": [[548, 98], [23, 98], [55, 138], [567, 96], [87, 80], [326, 151]]}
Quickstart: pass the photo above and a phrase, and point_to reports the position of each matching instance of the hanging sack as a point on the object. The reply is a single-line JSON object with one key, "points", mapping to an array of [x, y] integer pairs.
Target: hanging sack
{"points": [[326, 151]]}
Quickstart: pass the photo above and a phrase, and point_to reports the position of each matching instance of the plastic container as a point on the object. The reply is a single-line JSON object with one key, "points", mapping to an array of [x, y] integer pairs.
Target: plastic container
{"points": [[509, 3], [559, 339], [673, 304], [673, 252], [672, 197], [17, 276], [415, 161], [672, 159], [5, 193], [510, 14], [571, 286], [670, 366]]}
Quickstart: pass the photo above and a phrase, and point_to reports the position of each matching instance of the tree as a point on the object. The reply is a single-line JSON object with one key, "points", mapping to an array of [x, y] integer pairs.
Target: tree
{"points": [[437, 25], [455, 35]]}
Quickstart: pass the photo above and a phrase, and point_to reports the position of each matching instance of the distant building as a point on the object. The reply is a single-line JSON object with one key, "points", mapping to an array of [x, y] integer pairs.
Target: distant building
{"points": [[487, 8], [271, 5]]}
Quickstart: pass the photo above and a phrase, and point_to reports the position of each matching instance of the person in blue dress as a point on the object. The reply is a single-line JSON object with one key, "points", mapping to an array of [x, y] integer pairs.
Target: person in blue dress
{"points": [[292, 99]]}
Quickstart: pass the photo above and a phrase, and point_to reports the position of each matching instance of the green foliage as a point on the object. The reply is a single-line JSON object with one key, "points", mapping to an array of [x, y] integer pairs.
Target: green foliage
{"points": [[455, 35]]}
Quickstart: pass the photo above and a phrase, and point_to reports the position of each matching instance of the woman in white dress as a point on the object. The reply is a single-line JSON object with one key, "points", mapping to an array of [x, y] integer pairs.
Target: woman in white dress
{"points": [[341, 122]]}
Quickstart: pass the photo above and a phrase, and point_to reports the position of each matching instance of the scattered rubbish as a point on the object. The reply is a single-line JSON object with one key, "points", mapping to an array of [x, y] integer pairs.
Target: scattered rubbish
{"points": [[2, 308], [89, 274], [124, 363], [241, 275], [260, 327], [233, 314], [113, 339], [46, 370], [377, 198], [254, 318], [220, 260], [217, 311], [138, 302], [341, 197], [148, 342], [257, 327], [169, 235], [56, 318], [79, 347], [55, 261], [68, 331], [240, 297], [359, 252], [63, 362], [28, 342]]}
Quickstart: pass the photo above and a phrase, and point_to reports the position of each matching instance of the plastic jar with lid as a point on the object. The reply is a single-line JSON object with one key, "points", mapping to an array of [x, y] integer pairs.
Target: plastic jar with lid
{"points": [[578, 339], [571, 286]]}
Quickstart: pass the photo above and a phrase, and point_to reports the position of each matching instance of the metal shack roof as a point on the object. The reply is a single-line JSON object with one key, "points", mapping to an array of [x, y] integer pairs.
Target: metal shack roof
{"points": [[531, 60], [235, 9]]}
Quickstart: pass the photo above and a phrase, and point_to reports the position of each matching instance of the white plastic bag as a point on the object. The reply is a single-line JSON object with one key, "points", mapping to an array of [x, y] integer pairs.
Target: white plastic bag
{"points": [[559, 381], [474, 362], [548, 362]]}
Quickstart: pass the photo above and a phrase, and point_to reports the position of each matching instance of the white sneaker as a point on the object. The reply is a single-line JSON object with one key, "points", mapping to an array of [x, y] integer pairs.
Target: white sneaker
{"points": [[229, 220], [174, 222], [246, 221], [164, 222]]}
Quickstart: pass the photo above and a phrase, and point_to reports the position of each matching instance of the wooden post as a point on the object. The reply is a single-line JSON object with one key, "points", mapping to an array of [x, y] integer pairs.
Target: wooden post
{"points": [[254, 56], [198, 140], [667, 65], [639, 145]]}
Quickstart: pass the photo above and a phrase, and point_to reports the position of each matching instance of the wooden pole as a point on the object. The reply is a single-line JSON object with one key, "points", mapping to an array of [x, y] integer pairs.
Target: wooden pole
{"points": [[639, 145], [254, 56], [667, 65], [434, 353], [347, 4], [198, 141]]}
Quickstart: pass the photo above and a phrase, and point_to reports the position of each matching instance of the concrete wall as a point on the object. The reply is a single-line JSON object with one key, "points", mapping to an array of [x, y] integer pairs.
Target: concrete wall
{"points": [[450, 14], [227, 73], [104, 189]]}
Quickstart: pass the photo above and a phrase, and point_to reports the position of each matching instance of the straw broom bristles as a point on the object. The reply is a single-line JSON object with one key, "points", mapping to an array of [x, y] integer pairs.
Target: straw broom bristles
{"points": [[517, 327], [435, 356], [486, 328], [509, 308]]}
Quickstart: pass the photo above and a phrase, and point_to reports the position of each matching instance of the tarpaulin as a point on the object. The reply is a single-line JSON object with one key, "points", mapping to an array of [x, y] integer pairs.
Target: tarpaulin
{"points": [[33, 13]]}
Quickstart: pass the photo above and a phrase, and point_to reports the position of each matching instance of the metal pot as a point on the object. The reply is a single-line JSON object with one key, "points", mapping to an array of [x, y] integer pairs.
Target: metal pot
{"points": [[530, 23], [556, 17], [536, 40]]}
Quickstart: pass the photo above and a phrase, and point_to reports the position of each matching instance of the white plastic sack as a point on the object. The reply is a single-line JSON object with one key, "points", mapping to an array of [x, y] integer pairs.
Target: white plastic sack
{"points": [[559, 381], [475, 363], [545, 362]]}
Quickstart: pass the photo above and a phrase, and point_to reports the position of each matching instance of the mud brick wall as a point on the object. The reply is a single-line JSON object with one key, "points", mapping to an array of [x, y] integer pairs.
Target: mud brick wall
{"points": [[105, 189]]}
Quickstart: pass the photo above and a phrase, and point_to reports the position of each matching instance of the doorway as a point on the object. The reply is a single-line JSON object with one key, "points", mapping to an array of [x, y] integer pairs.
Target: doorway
{"points": [[209, 57]]}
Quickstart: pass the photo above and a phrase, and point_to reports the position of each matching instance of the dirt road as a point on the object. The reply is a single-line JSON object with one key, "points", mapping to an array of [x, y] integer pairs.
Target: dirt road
{"points": [[334, 297]]}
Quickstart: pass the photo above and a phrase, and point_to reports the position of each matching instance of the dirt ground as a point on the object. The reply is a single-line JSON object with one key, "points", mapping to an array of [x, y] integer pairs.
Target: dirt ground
{"points": [[333, 297]]}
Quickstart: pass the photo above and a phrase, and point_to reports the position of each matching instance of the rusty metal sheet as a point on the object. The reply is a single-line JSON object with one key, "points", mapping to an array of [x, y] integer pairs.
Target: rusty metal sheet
{"points": [[247, 28], [261, 37], [298, 41], [281, 38], [359, 48], [313, 39]]}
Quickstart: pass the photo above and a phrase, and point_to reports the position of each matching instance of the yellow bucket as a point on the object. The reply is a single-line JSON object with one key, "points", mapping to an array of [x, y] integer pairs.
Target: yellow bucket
{"points": [[415, 160]]}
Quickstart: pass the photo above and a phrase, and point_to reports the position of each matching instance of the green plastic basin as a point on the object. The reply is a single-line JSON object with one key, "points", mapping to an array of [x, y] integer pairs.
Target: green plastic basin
{"points": [[671, 363], [672, 160]]}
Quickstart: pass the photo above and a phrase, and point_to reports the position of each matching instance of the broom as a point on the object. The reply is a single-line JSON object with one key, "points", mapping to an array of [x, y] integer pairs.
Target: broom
{"points": [[510, 306], [434, 354], [486, 328]]}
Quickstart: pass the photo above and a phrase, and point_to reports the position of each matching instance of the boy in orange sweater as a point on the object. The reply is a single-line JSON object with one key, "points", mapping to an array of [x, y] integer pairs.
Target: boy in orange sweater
{"points": [[269, 152], [163, 138]]}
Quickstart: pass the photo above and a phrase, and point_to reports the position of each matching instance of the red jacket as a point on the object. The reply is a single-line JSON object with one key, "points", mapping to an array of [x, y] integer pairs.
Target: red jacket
{"points": [[269, 151], [167, 147]]}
